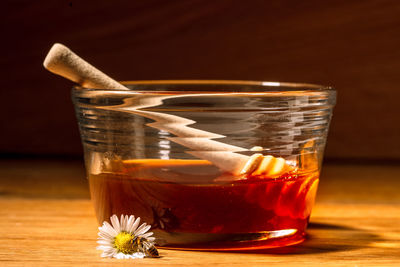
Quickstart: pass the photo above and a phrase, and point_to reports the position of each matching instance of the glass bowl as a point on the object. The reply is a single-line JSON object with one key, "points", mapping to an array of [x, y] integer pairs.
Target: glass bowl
{"points": [[214, 165]]}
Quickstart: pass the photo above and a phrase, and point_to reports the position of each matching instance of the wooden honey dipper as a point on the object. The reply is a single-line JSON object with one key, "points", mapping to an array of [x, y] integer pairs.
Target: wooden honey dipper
{"points": [[62, 61]]}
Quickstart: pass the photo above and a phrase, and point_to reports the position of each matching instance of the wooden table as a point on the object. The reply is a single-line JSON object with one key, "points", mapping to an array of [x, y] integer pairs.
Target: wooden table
{"points": [[46, 219]]}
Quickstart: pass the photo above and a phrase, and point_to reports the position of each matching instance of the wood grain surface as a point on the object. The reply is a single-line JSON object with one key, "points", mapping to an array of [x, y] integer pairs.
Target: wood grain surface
{"points": [[352, 45], [46, 219]]}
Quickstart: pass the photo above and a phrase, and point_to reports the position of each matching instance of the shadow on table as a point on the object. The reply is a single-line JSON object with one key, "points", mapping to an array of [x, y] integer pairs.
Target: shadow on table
{"points": [[323, 238]]}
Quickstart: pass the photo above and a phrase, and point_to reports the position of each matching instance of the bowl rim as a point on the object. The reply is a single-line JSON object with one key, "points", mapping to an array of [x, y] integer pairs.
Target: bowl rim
{"points": [[258, 85]]}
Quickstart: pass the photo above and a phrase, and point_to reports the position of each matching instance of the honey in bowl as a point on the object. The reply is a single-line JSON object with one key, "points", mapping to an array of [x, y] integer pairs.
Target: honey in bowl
{"points": [[191, 204]]}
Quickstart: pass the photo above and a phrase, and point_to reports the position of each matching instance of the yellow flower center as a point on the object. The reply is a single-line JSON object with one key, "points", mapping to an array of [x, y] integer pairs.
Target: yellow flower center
{"points": [[124, 242]]}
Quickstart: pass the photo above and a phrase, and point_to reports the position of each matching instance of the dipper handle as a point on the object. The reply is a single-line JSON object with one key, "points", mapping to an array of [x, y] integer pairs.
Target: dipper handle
{"points": [[62, 61]]}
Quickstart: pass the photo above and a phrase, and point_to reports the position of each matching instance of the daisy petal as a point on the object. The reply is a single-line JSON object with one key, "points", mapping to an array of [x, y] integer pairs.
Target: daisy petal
{"points": [[104, 242], [115, 223], [130, 222], [106, 225], [106, 255], [134, 225], [143, 230], [104, 247], [113, 254], [109, 229], [109, 252], [146, 235], [140, 227], [104, 236], [126, 223], [122, 223]]}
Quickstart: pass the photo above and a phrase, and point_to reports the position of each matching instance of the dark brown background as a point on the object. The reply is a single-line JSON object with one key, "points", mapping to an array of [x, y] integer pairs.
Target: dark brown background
{"points": [[352, 45]]}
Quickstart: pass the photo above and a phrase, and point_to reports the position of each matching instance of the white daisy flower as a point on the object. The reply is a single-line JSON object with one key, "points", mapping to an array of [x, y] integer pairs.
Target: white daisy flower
{"points": [[125, 239]]}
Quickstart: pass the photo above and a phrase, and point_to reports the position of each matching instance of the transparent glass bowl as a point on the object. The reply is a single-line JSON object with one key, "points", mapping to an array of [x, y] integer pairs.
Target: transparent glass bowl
{"points": [[216, 165]]}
